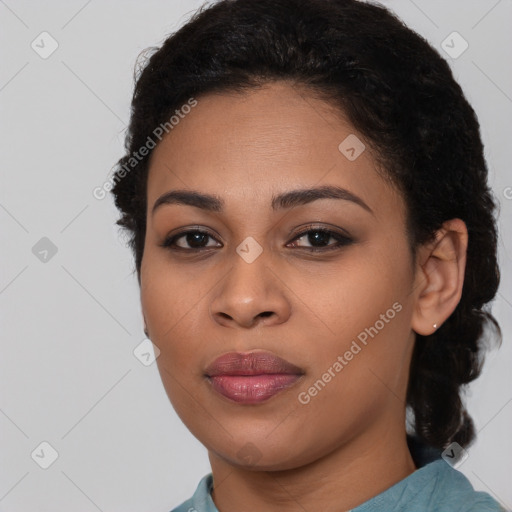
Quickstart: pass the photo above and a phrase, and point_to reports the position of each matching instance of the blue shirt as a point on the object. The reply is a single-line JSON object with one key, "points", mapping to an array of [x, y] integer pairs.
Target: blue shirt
{"points": [[435, 487]]}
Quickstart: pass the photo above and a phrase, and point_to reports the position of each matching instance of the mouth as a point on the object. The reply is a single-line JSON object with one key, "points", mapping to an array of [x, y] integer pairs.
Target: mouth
{"points": [[251, 378]]}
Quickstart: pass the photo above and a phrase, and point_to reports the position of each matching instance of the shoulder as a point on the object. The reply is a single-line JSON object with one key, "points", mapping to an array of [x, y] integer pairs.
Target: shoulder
{"points": [[186, 506], [453, 492], [201, 501], [435, 487]]}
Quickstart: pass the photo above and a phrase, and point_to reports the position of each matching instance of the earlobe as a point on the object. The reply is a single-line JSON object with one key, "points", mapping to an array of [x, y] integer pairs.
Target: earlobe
{"points": [[439, 279]]}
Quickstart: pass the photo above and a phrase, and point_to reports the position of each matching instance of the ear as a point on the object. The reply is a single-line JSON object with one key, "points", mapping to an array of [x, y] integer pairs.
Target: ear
{"points": [[439, 277]]}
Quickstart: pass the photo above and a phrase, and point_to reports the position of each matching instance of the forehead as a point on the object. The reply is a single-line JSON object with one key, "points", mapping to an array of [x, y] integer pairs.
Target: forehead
{"points": [[248, 147]]}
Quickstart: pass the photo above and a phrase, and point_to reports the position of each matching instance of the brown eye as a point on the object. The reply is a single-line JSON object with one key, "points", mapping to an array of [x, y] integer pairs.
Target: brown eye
{"points": [[190, 241], [318, 240]]}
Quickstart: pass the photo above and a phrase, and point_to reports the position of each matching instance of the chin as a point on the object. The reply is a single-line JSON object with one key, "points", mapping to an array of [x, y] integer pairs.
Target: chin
{"points": [[257, 453]]}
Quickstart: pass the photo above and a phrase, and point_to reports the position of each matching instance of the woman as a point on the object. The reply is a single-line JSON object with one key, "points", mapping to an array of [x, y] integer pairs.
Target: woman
{"points": [[314, 238]]}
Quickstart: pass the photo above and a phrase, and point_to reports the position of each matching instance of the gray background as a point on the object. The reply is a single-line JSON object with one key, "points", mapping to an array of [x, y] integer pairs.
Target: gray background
{"points": [[70, 321]]}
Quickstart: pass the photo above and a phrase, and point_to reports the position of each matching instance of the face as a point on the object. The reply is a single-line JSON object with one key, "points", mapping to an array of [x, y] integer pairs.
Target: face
{"points": [[322, 280]]}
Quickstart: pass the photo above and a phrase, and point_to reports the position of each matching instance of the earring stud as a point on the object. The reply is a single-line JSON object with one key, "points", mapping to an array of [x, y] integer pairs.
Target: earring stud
{"points": [[435, 326]]}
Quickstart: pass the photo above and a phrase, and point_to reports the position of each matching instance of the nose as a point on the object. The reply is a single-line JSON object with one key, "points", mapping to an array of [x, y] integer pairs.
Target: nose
{"points": [[251, 294]]}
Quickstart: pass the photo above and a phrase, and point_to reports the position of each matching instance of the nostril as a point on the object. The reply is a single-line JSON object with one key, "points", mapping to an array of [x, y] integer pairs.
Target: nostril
{"points": [[266, 313]]}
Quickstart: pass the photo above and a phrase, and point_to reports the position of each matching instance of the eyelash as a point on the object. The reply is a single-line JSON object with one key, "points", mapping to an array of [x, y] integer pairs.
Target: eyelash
{"points": [[342, 240]]}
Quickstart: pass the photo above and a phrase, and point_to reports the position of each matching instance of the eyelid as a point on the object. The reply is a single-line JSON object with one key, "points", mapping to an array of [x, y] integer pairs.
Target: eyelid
{"points": [[315, 226]]}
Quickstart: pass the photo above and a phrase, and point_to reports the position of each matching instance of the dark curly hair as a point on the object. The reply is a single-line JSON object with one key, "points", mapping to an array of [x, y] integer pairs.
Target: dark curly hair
{"points": [[401, 96]]}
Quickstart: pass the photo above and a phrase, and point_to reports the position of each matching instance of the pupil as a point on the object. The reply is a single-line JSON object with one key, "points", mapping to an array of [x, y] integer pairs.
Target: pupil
{"points": [[319, 236], [196, 239]]}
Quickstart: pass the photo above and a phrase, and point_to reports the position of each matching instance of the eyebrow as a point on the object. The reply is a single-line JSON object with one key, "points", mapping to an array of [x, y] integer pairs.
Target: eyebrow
{"points": [[286, 200]]}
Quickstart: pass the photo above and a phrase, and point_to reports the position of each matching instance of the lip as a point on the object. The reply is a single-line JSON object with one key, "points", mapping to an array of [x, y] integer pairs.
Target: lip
{"points": [[251, 377]]}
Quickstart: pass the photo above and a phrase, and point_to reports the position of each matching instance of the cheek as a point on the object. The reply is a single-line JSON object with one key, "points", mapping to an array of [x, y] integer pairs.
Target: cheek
{"points": [[171, 307], [369, 311], [352, 295], [365, 311], [167, 301]]}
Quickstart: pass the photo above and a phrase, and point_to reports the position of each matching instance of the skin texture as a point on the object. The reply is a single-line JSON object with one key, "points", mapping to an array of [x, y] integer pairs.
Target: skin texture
{"points": [[348, 443]]}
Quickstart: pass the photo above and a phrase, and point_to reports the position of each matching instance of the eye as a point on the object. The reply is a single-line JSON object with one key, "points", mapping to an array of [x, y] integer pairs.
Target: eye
{"points": [[192, 240], [195, 240], [318, 239]]}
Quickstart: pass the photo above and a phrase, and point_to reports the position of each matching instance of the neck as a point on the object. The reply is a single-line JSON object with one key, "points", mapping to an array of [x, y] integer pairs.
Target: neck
{"points": [[345, 478]]}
